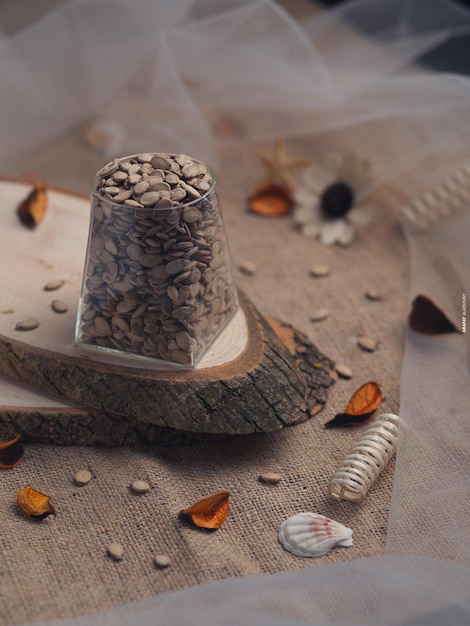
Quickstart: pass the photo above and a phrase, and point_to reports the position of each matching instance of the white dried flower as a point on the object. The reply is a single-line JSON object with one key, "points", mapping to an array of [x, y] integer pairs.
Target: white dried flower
{"points": [[328, 203]]}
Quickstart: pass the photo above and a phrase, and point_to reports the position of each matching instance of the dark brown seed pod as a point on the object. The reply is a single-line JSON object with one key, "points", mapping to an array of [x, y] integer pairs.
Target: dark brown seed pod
{"points": [[360, 408], [32, 209], [11, 453], [428, 319]]}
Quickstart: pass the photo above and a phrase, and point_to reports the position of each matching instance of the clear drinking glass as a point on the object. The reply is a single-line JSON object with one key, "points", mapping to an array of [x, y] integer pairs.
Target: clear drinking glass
{"points": [[157, 281]]}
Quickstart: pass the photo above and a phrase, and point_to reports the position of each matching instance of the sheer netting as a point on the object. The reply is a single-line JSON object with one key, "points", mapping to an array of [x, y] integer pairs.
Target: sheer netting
{"points": [[177, 75]]}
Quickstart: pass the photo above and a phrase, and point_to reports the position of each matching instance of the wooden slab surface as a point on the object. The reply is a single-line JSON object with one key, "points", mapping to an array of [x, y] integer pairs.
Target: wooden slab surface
{"points": [[248, 381]]}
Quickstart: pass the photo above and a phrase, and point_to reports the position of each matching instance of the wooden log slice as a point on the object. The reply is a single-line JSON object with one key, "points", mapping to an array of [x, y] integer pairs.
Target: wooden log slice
{"points": [[250, 381]]}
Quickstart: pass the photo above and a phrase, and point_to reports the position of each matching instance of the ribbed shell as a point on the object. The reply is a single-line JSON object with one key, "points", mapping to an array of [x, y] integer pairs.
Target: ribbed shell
{"points": [[311, 534], [366, 459]]}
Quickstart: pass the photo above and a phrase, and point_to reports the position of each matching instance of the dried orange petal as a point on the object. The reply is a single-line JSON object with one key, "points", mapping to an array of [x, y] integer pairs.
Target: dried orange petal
{"points": [[34, 503], [32, 209], [365, 400], [11, 453], [210, 511], [428, 319], [271, 200], [360, 408]]}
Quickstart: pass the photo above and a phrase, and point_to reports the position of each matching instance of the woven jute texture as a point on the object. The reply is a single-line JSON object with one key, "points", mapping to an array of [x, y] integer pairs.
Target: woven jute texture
{"points": [[59, 568]]}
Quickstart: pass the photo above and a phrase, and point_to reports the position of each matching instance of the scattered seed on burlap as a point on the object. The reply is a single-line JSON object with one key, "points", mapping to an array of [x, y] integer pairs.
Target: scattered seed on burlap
{"points": [[270, 477], [52, 285], [320, 314], [115, 551], [59, 306], [82, 477], [373, 295], [343, 371], [320, 271], [247, 267], [29, 323], [140, 486], [162, 561], [367, 344]]}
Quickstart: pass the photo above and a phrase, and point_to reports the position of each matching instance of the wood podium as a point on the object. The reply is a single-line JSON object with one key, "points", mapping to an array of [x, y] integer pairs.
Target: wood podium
{"points": [[259, 375]]}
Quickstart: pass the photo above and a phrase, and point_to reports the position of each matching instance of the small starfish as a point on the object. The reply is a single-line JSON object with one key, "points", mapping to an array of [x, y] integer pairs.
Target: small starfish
{"points": [[278, 165]]}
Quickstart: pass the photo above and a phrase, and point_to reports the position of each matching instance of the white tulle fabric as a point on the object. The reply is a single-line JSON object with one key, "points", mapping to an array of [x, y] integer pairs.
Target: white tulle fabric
{"points": [[168, 72]]}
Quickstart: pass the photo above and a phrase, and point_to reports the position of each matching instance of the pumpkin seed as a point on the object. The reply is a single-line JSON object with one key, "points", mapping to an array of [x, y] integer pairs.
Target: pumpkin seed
{"points": [[343, 371], [82, 477], [367, 343], [270, 477], [319, 271], [371, 294], [132, 203], [190, 171], [160, 162], [140, 486], [161, 561], [247, 267], [172, 178], [29, 323], [122, 196], [190, 190], [144, 158], [149, 198], [59, 306], [320, 314], [191, 215], [115, 551], [112, 191], [120, 176], [178, 194], [141, 187], [164, 203], [53, 285]]}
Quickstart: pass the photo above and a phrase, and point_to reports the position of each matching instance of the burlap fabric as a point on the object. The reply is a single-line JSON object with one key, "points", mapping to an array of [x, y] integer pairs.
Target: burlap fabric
{"points": [[59, 567]]}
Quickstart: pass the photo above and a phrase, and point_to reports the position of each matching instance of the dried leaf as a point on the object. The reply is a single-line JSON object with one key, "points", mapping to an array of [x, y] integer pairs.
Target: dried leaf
{"points": [[34, 503], [428, 319], [271, 200], [360, 408], [32, 209], [229, 127], [209, 512], [365, 400], [11, 453]]}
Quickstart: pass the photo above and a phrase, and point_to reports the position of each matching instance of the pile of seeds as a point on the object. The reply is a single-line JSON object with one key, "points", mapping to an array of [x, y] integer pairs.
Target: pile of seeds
{"points": [[158, 280], [154, 180]]}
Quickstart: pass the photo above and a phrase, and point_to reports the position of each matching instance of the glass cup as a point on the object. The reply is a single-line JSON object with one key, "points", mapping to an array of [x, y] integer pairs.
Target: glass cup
{"points": [[157, 281]]}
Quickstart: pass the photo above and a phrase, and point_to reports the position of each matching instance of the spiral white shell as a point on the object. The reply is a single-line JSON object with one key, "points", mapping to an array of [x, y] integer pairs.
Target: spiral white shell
{"points": [[311, 534], [449, 196], [366, 459]]}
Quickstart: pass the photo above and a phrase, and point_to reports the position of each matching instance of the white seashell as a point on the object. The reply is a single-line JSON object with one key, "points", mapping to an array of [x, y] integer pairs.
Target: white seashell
{"points": [[311, 534]]}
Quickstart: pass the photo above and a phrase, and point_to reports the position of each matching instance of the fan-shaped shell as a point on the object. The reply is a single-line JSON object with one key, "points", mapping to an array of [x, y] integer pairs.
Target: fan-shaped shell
{"points": [[311, 534]]}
